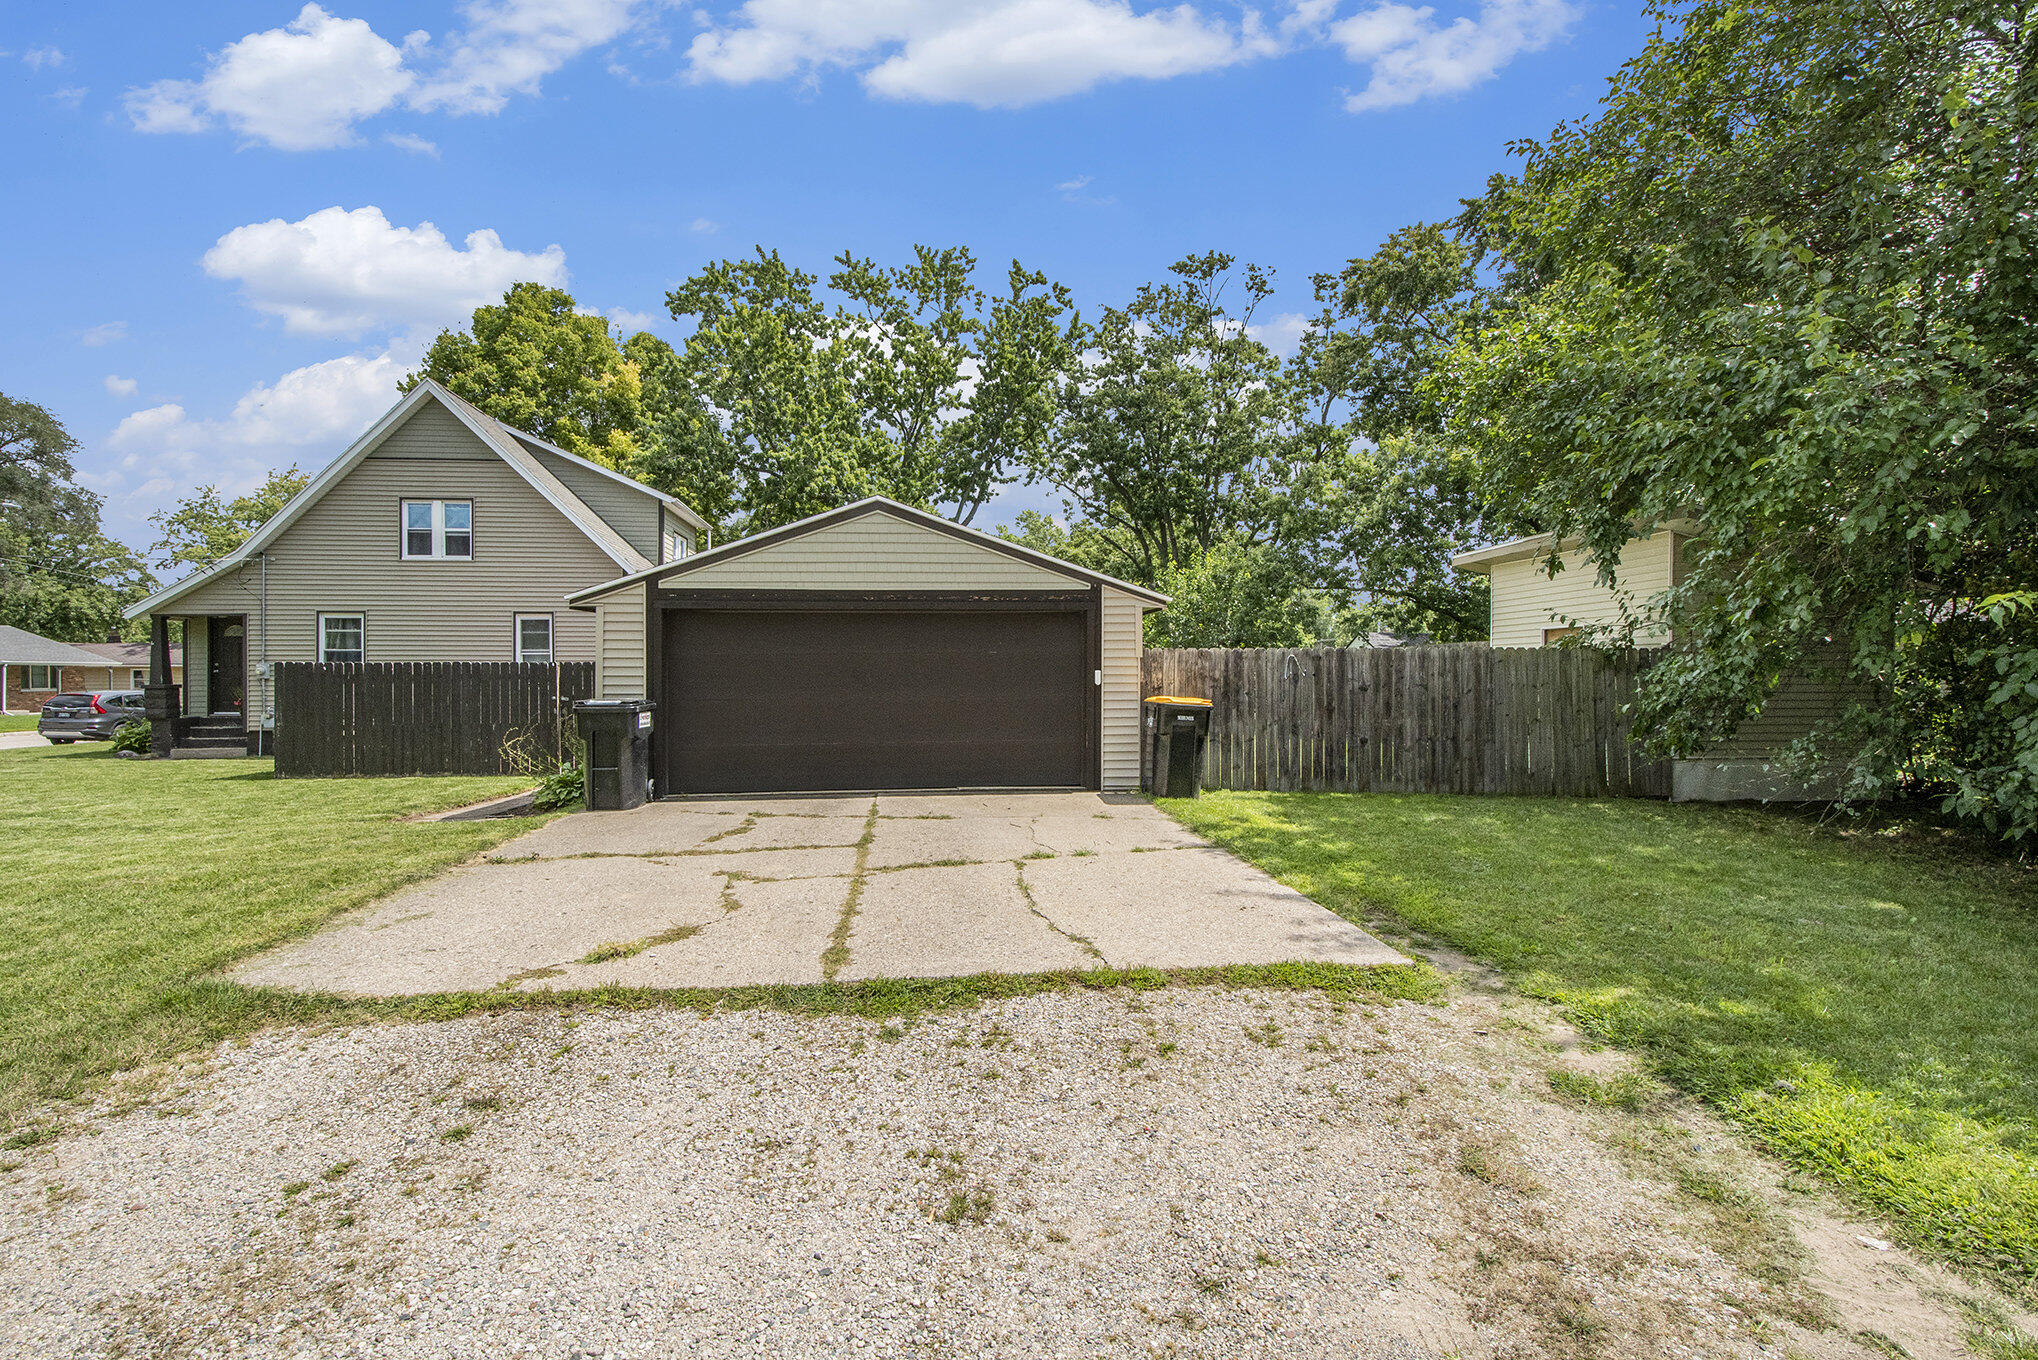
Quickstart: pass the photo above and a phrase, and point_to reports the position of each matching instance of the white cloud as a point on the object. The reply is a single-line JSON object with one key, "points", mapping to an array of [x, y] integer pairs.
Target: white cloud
{"points": [[1071, 191], [1412, 56], [37, 58], [105, 333], [990, 53], [509, 46], [307, 85], [117, 386], [308, 414], [411, 142], [70, 96], [342, 273], [705, 227], [629, 321], [298, 88], [1283, 334]]}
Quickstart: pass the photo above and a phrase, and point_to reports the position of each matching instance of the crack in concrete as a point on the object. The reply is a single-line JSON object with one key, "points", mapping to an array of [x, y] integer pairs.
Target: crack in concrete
{"points": [[1081, 942], [837, 952]]}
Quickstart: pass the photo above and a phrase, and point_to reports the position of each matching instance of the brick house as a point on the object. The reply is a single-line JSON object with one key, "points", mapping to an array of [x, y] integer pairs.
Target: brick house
{"points": [[35, 667]]}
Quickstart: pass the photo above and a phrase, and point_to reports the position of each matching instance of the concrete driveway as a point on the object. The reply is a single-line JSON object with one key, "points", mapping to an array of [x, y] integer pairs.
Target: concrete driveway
{"points": [[721, 893]]}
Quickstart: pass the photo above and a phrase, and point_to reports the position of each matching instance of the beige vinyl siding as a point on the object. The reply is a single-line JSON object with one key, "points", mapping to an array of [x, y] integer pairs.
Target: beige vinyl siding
{"points": [[631, 511], [874, 552], [1124, 643], [433, 432], [196, 642], [619, 657], [1526, 601], [341, 556], [677, 539]]}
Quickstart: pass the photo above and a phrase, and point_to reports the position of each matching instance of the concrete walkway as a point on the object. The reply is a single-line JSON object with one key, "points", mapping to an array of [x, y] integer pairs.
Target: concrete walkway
{"points": [[719, 893], [20, 741]]}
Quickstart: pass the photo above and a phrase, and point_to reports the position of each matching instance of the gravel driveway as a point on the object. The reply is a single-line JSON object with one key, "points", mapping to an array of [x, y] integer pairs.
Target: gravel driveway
{"points": [[1188, 1171], [731, 892]]}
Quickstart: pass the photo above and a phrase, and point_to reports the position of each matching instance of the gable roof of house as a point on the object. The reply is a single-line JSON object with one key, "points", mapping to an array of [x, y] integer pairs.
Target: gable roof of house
{"points": [[19, 647], [500, 439], [1538, 545], [870, 505]]}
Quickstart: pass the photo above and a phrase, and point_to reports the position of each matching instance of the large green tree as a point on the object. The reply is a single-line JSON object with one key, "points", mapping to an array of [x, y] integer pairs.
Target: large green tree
{"points": [[59, 575], [1180, 429], [910, 381], [206, 526], [538, 363], [1782, 282]]}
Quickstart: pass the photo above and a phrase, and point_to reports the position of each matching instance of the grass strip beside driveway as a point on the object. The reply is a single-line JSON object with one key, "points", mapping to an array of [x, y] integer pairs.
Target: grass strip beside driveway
{"points": [[1864, 1003], [19, 722], [129, 882]]}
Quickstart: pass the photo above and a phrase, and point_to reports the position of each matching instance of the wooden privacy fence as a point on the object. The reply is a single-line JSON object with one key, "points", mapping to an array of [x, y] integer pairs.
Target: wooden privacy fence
{"points": [[1460, 718], [422, 717]]}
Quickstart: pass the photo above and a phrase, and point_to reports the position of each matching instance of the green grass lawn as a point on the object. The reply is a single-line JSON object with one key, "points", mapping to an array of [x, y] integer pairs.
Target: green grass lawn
{"points": [[1866, 1004], [128, 881], [18, 722]]}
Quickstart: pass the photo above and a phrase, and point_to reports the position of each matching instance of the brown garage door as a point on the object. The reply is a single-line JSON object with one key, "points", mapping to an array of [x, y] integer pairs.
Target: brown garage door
{"points": [[874, 699]]}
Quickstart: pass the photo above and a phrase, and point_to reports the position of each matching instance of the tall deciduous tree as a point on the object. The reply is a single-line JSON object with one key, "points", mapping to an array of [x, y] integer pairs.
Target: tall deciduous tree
{"points": [[206, 526], [910, 382], [59, 575], [538, 363], [1785, 285], [1179, 429]]}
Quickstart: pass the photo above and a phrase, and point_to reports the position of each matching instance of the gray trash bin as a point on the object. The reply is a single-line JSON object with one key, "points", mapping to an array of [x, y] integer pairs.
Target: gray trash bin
{"points": [[618, 737], [1176, 729]]}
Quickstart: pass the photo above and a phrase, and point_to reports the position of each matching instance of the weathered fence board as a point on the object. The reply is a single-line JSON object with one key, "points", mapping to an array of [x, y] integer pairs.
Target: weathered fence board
{"points": [[1463, 718], [422, 717]]}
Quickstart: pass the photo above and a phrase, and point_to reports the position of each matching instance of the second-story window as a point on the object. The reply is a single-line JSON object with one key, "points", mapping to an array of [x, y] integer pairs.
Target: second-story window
{"points": [[438, 531]]}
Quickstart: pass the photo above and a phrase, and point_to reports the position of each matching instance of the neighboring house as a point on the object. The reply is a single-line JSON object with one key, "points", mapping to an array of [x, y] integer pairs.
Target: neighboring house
{"points": [[1532, 608], [439, 535], [876, 647], [36, 667]]}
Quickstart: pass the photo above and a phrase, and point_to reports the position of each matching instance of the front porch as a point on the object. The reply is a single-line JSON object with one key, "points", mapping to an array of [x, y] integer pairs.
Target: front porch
{"points": [[207, 715]]}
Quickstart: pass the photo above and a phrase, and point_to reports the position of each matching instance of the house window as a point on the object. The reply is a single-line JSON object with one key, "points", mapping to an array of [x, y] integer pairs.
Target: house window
{"points": [[534, 637], [137, 679], [342, 637], [41, 677], [1556, 635], [438, 531]]}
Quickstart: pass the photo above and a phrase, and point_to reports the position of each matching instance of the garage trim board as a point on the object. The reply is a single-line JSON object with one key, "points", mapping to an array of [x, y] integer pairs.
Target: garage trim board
{"points": [[907, 652]]}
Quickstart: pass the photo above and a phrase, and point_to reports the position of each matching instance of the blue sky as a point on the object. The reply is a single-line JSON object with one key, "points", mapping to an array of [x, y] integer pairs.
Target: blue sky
{"points": [[236, 225]]}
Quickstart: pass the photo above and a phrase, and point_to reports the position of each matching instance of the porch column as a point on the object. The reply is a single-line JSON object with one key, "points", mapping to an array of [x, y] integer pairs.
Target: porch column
{"points": [[159, 697]]}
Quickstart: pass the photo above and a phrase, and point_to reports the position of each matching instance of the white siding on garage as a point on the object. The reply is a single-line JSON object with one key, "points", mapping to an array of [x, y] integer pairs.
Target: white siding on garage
{"points": [[619, 656], [1124, 643], [1527, 602], [874, 552]]}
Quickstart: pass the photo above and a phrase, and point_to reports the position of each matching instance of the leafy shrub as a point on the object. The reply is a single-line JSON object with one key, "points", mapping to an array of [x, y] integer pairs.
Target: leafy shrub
{"points": [[132, 736], [563, 787]]}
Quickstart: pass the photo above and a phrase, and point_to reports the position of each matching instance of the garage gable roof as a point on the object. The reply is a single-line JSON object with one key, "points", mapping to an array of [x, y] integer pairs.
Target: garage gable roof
{"points": [[873, 505], [498, 438]]}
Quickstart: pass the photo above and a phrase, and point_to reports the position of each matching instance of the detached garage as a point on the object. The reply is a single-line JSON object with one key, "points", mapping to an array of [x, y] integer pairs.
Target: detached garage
{"points": [[876, 647]]}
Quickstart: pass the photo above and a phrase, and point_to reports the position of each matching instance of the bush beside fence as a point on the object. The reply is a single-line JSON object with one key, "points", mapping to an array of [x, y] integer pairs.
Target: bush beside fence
{"points": [[1460, 718], [424, 717]]}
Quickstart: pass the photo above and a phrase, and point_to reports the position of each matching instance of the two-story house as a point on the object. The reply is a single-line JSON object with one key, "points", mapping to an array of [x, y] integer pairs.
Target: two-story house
{"points": [[439, 535]]}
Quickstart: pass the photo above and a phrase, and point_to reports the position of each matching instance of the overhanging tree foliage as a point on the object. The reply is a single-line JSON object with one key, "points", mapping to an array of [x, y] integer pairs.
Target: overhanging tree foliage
{"points": [[1782, 283], [204, 527]]}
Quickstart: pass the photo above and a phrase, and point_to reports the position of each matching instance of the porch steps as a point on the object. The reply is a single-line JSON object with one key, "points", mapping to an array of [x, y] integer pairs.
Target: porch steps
{"points": [[212, 737]]}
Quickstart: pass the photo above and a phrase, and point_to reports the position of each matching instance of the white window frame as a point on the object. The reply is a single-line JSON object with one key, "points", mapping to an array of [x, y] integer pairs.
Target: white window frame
{"points": [[517, 653], [53, 674], [359, 616], [438, 516], [137, 678]]}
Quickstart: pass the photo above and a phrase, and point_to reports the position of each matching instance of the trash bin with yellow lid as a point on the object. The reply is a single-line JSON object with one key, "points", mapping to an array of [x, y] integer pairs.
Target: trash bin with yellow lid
{"points": [[1176, 728]]}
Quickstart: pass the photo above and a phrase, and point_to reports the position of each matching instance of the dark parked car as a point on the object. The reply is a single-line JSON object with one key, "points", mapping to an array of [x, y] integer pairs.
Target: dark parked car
{"points": [[89, 717]]}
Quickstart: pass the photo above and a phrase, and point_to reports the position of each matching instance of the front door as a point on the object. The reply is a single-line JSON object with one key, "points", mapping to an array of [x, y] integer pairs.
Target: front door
{"points": [[226, 665]]}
